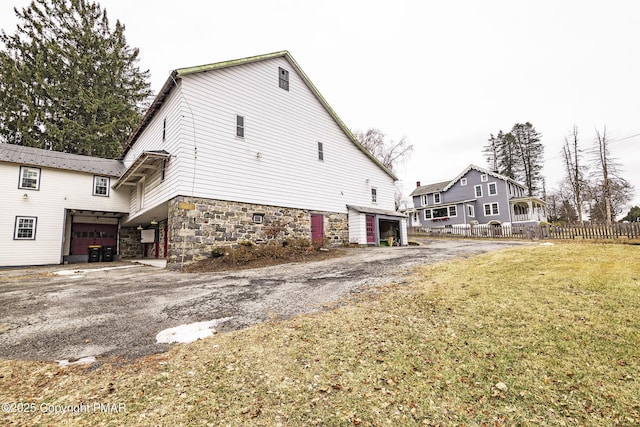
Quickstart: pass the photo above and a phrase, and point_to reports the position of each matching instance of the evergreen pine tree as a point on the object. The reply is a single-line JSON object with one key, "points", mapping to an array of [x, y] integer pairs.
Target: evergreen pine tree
{"points": [[70, 81]]}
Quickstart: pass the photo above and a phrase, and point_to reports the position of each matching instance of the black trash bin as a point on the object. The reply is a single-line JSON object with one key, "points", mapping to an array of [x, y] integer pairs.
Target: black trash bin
{"points": [[94, 253], [107, 253]]}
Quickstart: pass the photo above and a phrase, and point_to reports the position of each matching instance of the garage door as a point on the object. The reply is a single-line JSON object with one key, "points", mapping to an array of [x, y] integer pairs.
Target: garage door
{"points": [[85, 235]]}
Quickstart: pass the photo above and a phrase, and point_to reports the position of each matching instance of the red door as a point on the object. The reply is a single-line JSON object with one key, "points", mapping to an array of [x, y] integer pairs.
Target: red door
{"points": [[371, 229], [85, 235], [317, 228]]}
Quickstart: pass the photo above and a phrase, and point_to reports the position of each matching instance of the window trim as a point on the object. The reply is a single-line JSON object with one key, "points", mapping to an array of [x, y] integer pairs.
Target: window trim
{"points": [[33, 229], [106, 187], [320, 151], [425, 200], [240, 126], [283, 78], [257, 218], [471, 211], [484, 177], [455, 211], [374, 195], [495, 187], [476, 188], [463, 182], [491, 210], [24, 169], [437, 198]]}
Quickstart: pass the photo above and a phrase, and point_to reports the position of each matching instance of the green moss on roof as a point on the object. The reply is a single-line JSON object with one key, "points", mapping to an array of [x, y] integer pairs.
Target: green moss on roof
{"points": [[231, 63]]}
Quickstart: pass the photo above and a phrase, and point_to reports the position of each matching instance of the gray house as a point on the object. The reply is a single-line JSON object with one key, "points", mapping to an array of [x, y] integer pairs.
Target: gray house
{"points": [[476, 196]]}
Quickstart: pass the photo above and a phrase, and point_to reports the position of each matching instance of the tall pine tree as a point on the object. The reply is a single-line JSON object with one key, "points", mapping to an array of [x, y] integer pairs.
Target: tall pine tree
{"points": [[70, 81], [518, 155]]}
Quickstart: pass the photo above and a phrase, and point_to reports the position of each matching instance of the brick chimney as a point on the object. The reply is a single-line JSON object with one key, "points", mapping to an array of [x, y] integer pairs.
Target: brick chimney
{"points": [[417, 183]]}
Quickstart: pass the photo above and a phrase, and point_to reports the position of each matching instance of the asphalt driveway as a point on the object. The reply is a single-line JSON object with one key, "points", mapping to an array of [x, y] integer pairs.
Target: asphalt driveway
{"points": [[116, 309]]}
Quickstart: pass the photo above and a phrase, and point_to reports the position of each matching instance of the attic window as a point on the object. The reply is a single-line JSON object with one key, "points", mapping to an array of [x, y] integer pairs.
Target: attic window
{"points": [[463, 182], [283, 78]]}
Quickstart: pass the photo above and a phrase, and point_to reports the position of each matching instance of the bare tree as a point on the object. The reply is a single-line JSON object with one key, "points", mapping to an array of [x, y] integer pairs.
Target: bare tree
{"points": [[609, 191], [575, 171], [389, 153]]}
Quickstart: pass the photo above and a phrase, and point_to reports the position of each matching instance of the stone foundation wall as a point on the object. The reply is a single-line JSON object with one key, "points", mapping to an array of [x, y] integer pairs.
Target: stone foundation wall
{"points": [[130, 246], [193, 233]]}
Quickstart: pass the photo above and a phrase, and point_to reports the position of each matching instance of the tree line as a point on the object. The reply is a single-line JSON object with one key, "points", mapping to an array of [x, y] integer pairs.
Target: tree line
{"points": [[592, 187]]}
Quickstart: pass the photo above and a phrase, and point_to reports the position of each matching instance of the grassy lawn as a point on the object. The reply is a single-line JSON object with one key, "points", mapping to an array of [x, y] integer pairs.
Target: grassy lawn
{"points": [[537, 335]]}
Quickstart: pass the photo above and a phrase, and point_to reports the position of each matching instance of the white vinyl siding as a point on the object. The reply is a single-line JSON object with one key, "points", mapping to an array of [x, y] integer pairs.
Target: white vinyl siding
{"points": [[60, 191], [181, 141], [283, 151]]}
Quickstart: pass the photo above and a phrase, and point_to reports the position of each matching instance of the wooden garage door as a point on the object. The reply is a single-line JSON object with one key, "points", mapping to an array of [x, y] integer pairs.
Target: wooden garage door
{"points": [[85, 235]]}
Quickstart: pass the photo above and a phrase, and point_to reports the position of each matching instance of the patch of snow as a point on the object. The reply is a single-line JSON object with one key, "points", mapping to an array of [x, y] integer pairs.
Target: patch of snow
{"points": [[546, 244], [82, 361], [89, 270], [190, 332]]}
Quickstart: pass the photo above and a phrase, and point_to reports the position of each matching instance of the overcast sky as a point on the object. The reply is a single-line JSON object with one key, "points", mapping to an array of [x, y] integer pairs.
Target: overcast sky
{"points": [[445, 74]]}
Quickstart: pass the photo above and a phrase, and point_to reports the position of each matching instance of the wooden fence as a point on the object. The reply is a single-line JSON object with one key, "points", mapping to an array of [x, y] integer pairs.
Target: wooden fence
{"points": [[531, 232]]}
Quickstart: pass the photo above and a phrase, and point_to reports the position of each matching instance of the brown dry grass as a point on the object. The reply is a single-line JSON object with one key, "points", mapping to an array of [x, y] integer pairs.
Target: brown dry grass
{"points": [[542, 335]]}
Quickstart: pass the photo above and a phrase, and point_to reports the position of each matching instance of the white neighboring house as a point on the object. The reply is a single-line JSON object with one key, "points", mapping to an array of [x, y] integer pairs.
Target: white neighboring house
{"points": [[227, 150], [54, 205]]}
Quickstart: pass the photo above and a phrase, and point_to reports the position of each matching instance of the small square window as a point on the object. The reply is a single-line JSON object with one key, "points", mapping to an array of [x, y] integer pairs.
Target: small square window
{"points": [[29, 178], [374, 195], [25, 228], [240, 126], [436, 198], [320, 151], [463, 182], [258, 218], [484, 178], [101, 186], [283, 78]]}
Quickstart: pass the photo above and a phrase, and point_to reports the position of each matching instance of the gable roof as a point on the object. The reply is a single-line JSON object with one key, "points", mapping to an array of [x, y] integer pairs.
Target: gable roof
{"points": [[19, 154], [181, 72], [429, 188], [483, 171], [445, 185]]}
